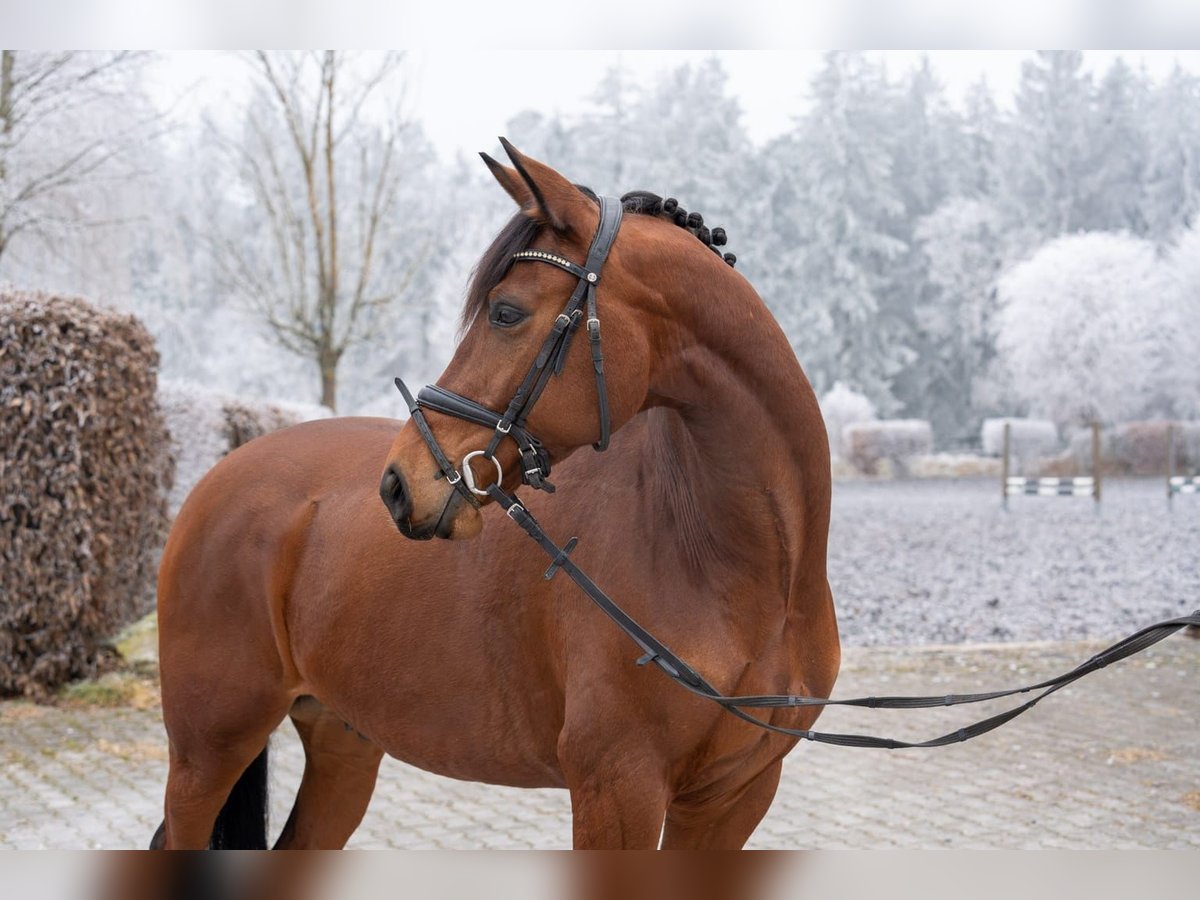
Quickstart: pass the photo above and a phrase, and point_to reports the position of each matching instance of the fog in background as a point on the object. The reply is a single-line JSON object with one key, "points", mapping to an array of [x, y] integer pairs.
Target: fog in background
{"points": [[945, 237]]}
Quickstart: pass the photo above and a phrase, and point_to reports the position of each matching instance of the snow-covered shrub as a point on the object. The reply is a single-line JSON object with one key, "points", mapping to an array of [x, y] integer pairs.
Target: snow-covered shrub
{"points": [[842, 406], [1028, 438], [1139, 448], [868, 445], [953, 465], [84, 472], [1091, 328], [205, 425], [247, 419], [196, 422]]}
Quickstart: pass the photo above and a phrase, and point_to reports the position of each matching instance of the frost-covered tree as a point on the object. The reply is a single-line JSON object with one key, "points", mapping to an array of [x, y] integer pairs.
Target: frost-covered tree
{"points": [[1047, 148], [845, 206], [925, 147], [924, 132], [962, 242], [1119, 148], [605, 143], [542, 136], [842, 406], [327, 160], [1183, 261], [1091, 329], [1172, 188], [694, 142], [977, 166], [70, 126], [468, 202]]}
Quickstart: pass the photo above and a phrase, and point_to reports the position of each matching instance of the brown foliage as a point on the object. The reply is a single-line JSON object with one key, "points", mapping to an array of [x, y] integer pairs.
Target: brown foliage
{"points": [[84, 472], [246, 420], [868, 444], [1133, 448]]}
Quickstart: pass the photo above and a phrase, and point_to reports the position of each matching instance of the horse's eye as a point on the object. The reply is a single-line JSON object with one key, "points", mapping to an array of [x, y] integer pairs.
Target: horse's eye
{"points": [[506, 316]]}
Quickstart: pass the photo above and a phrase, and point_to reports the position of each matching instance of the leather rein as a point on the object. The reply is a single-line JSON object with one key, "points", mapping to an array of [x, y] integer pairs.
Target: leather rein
{"points": [[535, 463]]}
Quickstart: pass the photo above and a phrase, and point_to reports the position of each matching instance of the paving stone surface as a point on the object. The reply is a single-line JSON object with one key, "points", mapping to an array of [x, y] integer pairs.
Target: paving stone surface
{"points": [[1111, 762]]}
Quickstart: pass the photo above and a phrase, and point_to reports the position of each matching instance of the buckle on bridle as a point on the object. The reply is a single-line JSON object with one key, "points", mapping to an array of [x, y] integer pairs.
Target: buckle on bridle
{"points": [[502, 428], [515, 508], [593, 326]]}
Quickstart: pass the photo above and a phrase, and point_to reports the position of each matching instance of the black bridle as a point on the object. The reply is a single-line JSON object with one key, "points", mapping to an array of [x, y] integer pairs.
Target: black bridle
{"points": [[536, 470], [550, 359]]}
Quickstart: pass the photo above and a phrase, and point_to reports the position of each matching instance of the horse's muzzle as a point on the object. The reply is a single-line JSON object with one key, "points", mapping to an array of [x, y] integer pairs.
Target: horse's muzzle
{"points": [[396, 497]]}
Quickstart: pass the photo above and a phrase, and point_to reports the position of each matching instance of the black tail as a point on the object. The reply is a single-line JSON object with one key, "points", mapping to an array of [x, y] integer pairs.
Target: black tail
{"points": [[242, 822]]}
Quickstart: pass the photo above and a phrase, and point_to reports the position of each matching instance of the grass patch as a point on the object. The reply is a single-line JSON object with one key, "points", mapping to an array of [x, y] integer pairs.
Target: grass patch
{"points": [[115, 689]]}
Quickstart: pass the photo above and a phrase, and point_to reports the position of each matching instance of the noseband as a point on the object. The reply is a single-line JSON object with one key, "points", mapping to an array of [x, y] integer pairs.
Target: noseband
{"points": [[535, 460]]}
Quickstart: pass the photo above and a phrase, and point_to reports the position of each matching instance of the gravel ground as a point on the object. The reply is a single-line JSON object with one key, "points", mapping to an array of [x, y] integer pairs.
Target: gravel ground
{"points": [[921, 562]]}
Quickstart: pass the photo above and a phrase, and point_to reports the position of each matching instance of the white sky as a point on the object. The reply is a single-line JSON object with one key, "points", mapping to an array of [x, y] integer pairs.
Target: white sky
{"points": [[464, 97]]}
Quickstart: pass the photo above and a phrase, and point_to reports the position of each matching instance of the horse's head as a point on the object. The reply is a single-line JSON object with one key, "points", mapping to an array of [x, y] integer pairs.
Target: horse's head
{"points": [[520, 314]]}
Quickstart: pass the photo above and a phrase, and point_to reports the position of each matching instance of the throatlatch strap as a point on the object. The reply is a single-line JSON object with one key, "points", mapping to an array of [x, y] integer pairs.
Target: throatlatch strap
{"points": [[681, 673]]}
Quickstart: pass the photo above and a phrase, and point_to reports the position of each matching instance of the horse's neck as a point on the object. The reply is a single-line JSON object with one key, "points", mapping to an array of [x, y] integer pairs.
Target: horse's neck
{"points": [[739, 451]]}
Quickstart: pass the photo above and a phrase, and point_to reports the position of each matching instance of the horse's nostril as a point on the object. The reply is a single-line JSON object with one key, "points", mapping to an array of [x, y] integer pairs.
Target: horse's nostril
{"points": [[394, 494]]}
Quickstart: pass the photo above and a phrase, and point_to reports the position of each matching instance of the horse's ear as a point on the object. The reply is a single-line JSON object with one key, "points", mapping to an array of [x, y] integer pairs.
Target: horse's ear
{"points": [[511, 181], [542, 192]]}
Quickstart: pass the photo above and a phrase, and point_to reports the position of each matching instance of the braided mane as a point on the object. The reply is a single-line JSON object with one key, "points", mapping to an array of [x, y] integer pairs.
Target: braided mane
{"points": [[519, 232]]}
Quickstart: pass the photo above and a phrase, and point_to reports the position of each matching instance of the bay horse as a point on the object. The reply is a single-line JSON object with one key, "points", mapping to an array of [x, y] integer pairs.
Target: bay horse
{"points": [[287, 589]]}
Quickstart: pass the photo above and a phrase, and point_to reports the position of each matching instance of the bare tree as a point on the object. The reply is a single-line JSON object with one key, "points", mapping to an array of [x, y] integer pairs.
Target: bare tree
{"points": [[323, 155], [66, 121]]}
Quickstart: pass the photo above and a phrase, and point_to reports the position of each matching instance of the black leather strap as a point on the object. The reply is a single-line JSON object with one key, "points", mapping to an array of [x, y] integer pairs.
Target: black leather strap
{"points": [[681, 673], [448, 471], [584, 294], [550, 359], [534, 458]]}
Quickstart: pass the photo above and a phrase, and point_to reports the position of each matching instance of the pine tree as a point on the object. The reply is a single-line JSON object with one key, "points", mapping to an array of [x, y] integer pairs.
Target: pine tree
{"points": [[605, 143], [1119, 151], [923, 134], [842, 195], [962, 243], [1172, 192], [1047, 149], [978, 170]]}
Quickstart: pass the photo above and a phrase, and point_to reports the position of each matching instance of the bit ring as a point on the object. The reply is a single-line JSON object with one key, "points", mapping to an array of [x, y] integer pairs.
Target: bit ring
{"points": [[468, 473]]}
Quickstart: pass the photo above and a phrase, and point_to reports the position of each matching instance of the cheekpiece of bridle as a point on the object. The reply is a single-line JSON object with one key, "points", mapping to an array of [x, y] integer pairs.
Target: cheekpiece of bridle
{"points": [[550, 359]]}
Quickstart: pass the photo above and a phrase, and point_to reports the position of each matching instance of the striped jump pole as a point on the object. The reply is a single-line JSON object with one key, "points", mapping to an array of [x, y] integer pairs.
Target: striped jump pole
{"points": [[1177, 484], [1184, 484], [1079, 486]]}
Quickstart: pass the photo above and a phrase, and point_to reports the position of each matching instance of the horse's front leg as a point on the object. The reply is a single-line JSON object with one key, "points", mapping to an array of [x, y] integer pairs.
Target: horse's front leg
{"points": [[618, 790]]}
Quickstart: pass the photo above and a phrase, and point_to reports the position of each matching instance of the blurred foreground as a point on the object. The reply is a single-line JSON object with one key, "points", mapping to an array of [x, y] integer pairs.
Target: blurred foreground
{"points": [[1112, 762], [695, 876]]}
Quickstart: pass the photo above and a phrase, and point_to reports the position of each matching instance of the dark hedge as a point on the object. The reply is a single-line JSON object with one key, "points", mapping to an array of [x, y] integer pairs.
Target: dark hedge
{"points": [[84, 472]]}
